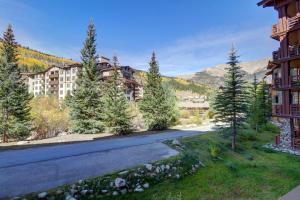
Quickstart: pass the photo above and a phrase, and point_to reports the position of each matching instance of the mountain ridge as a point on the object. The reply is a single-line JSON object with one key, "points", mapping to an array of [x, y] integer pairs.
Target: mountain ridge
{"points": [[215, 75]]}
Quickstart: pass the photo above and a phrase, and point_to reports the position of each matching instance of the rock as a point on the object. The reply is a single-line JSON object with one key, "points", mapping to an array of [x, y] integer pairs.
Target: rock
{"points": [[174, 168], [148, 167], [162, 167], [84, 192], [42, 195], [157, 170], [80, 182], [119, 182], [123, 173], [176, 142], [58, 192], [146, 185], [69, 197], [124, 191], [115, 193], [177, 176], [104, 191], [167, 167], [73, 191], [138, 189]]}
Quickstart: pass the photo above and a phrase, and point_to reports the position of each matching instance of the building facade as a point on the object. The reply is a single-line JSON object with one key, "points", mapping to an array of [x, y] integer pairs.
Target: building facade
{"points": [[285, 70], [60, 81]]}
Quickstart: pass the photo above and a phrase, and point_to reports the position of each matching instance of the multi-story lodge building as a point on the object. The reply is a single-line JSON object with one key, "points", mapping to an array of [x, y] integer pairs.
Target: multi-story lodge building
{"points": [[285, 70], [61, 80]]}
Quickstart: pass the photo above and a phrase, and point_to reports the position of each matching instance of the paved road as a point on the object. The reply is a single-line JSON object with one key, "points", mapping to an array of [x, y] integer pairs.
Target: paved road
{"points": [[42, 168]]}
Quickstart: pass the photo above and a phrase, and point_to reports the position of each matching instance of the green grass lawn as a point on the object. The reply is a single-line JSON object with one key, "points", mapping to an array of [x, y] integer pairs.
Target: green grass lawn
{"points": [[250, 173]]}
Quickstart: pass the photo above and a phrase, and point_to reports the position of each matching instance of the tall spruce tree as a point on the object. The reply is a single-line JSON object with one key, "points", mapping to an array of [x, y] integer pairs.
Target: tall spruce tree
{"points": [[14, 96], [254, 115], [86, 105], [264, 103], [232, 100], [116, 106], [157, 106]]}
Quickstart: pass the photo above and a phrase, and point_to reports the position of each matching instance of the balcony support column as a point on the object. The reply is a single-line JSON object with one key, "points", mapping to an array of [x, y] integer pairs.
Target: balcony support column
{"points": [[298, 7]]}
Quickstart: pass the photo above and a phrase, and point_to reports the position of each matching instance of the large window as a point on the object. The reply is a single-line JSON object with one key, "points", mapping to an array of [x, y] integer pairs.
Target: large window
{"points": [[294, 98]]}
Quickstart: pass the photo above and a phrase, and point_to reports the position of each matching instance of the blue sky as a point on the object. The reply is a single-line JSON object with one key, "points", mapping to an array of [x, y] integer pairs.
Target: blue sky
{"points": [[187, 35]]}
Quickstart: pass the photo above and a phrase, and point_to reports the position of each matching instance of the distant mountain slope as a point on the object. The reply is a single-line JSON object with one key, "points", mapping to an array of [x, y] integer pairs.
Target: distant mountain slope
{"points": [[35, 61], [214, 76], [178, 84]]}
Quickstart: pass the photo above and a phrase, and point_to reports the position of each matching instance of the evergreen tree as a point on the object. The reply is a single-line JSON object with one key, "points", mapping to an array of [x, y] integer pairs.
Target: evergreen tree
{"points": [[116, 106], [157, 104], [86, 104], [14, 96], [231, 101], [264, 103], [254, 108]]}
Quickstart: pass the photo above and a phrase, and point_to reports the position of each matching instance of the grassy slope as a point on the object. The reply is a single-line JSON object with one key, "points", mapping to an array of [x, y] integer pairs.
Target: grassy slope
{"points": [[268, 176], [32, 60]]}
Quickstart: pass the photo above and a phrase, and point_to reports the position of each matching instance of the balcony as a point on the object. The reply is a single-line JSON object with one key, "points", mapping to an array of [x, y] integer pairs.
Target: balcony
{"points": [[53, 82], [277, 109], [293, 52], [278, 29], [295, 109], [295, 80], [54, 75]]}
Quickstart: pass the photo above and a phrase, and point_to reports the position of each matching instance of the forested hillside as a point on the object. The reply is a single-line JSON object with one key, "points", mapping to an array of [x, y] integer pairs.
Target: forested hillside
{"points": [[178, 84], [35, 61]]}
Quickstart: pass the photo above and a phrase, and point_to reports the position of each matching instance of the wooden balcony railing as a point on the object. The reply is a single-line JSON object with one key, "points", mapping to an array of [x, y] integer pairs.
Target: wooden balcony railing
{"points": [[53, 82], [295, 110], [277, 109], [295, 80], [294, 51], [54, 75], [292, 22], [278, 28]]}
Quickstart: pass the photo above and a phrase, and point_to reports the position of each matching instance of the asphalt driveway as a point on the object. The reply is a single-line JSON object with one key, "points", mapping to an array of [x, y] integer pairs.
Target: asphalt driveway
{"points": [[42, 168]]}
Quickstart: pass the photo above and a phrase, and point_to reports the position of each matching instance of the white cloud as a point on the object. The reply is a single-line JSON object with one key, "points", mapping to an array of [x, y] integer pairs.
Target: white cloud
{"points": [[206, 49]]}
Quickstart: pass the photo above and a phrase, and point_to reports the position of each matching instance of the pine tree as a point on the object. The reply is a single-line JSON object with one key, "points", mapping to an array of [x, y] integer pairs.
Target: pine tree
{"points": [[86, 104], [116, 106], [231, 102], [264, 103], [254, 115], [157, 106], [14, 96]]}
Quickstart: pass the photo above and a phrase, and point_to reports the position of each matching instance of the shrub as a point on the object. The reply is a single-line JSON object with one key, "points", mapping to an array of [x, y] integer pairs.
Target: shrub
{"points": [[49, 117], [231, 166], [249, 157], [248, 134], [214, 150], [269, 127], [209, 114]]}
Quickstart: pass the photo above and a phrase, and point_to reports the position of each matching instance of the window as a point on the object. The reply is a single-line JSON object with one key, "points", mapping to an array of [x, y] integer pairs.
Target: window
{"points": [[74, 70], [277, 98], [61, 92], [295, 98], [61, 85], [61, 71], [68, 92], [68, 85], [68, 71], [68, 78], [73, 78], [61, 79]]}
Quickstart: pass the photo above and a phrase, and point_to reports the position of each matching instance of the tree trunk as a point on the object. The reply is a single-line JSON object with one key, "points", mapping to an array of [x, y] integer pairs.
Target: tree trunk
{"points": [[5, 121], [233, 142]]}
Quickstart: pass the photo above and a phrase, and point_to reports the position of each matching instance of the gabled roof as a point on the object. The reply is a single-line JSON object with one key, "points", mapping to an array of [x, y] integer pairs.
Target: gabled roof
{"points": [[266, 3]]}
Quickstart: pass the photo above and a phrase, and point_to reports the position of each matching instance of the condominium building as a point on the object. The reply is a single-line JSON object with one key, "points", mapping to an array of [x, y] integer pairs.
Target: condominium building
{"points": [[60, 81], [285, 70]]}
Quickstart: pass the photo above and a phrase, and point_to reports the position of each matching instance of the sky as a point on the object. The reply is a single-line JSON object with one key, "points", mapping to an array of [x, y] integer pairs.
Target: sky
{"points": [[187, 35]]}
